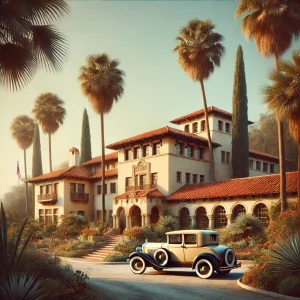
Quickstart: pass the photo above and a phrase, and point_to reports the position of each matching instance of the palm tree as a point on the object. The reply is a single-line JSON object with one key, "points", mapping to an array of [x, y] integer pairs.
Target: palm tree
{"points": [[272, 24], [102, 83], [283, 97], [28, 40], [199, 51], [50, 113], [23, 130]]}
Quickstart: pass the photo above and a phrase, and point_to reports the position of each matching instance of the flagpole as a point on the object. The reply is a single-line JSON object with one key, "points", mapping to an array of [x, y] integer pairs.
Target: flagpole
{"points": [[18, 196]]}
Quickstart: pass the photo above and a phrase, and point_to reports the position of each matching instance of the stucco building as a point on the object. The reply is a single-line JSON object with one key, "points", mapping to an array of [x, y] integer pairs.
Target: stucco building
{"points": [[165, 168]]}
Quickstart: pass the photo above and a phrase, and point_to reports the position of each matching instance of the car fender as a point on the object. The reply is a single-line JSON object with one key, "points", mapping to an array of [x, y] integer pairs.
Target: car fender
{"points": [[208, 256], [149, 260]]}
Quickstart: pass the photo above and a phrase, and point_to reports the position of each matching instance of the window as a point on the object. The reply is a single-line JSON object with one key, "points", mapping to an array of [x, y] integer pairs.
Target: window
{"points": [[55, 185], [80, 213], [220, 125], [156, 148], [195, 127], [42, 189], [265, 167], [175, 238], [80, 188], [272, 168], [223, 157], [187, 128], [146, 150], [201, 218], [137, 153], [42, 216], [251, 164], [227, 157], [72, 187], [227, 127], [261, 211], [128, 154], [200, 153], [48, 213], [98, 189], [178, 177], [48, 189], [136, 180], [179, 148], [258, 165], [202, 177], [190, 239], [55, 215], [154, 178], [195, 178], [142, 179], [203, 127], [220, 217], [189, 151], [128, 181], [112, 187], [187, 177]]}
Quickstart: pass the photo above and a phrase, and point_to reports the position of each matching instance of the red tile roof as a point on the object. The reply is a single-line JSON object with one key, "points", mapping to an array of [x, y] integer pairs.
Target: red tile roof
{"points": [[97, 160], [200, 113], [249, 186], [71, 173], [151, 193], [158, 134], [108, 174], [261, 155]]}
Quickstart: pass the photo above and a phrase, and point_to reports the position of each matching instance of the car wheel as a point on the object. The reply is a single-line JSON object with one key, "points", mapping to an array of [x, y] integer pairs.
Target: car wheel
{"points": [[137, 265], [157, 269], [229, 257], [161, 256], [204, 268], [223, 272]]}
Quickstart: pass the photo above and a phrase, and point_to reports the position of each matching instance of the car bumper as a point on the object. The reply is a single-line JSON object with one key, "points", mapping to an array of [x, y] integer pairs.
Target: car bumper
{"points": [[237, 265]]}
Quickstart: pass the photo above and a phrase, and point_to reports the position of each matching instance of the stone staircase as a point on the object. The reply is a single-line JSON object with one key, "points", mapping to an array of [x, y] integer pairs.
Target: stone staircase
{"points": [[101, 253]]}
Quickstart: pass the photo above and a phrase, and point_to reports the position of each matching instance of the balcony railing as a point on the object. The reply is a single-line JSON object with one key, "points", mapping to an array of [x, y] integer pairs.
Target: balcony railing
{"points": [[79, 196], [47, 198], [140, 187]]}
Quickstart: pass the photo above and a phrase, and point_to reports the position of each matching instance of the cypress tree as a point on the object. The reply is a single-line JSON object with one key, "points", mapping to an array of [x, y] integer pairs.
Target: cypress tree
{"points": [[37, 168], [86, 149], [240, 142]]}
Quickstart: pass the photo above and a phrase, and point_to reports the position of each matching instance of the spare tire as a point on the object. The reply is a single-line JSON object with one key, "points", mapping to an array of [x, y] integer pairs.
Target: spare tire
{"points": [[161, 256], [229, 257]]}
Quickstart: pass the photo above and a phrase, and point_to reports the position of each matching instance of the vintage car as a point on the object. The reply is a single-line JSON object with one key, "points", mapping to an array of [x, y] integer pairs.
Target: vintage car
{"points": [[196, 249]]}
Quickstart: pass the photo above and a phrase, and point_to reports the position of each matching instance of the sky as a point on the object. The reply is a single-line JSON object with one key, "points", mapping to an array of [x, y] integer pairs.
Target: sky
{"points": [[141, 35]]}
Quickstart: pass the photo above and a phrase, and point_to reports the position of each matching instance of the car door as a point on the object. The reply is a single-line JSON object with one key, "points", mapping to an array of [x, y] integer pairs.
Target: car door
{"points": [[175, 248], [190, 247]]}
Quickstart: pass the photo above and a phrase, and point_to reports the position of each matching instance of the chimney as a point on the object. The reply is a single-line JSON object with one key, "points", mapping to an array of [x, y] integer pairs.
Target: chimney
{"points": [[74, 157]]}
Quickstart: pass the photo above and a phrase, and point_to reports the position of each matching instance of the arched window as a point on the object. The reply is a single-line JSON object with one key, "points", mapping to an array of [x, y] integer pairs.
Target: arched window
{"points": [[201, 218], [136, 218], [187, 128], [220, 217], [184, 218], [238, 210], [261, 211], [154, 215]]}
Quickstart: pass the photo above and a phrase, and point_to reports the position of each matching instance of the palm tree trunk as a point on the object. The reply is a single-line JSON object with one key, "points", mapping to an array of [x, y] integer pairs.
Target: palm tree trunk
{"points": [[283, 201], [50, 154], [102, 169], [211, 154], [26, 183], [298, 205]]}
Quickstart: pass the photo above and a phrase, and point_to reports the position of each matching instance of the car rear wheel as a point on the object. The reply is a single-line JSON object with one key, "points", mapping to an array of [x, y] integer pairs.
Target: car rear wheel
{"points": [[204, 268], [137, 265], [161, 256]]}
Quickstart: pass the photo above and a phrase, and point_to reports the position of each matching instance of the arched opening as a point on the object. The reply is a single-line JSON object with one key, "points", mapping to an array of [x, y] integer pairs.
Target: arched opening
{"points": [[201, 218], [154, 215], [238, 210], [122, 218], [220, 217], [261, 211], [136, 218], [184, 218]]}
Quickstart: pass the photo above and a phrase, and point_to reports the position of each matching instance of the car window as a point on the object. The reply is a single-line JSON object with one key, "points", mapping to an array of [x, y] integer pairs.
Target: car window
{"points": [[190, 239], [175, 239]]}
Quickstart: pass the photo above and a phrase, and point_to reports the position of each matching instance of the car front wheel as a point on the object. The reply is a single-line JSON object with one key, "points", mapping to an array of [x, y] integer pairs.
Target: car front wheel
{"points": [[137, 265], [204, 268]]}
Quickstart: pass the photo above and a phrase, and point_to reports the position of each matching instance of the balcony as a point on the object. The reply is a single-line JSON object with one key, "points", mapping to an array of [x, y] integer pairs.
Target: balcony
{"points": [[79, 197], [47, 198], [140, 187]]}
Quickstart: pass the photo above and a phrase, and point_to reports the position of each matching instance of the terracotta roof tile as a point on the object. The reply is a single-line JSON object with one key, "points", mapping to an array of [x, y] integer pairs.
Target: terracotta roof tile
{"points": [[108, 174], [97, 160], [258, 185], [199, 113], [258, 154], [157, 134], [151, 193]]}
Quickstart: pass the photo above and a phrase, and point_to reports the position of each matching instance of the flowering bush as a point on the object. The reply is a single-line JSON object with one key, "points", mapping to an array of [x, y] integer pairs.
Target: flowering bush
{"points": [[126, 245], [135, 233]]}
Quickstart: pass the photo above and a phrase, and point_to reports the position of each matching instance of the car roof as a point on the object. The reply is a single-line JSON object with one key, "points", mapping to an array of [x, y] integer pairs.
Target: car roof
{"points": [[192, 231]]}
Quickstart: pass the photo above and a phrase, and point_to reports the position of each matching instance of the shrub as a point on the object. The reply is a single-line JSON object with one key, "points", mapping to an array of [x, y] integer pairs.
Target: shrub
{"points": [[126, 245], [137, 233], [286, 224], [117, 257], [71, 225], [151, 235], [165, 224], [290, 286]]}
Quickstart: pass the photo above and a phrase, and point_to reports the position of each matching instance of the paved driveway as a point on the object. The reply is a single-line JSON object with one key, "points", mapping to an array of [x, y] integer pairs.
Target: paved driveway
{"points": [[117, 282]]}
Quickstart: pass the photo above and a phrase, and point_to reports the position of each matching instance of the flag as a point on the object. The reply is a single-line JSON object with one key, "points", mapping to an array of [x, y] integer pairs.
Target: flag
{"points": [[18, 170]]}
